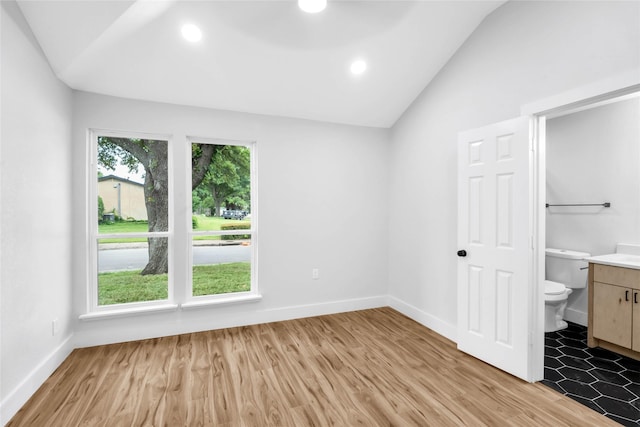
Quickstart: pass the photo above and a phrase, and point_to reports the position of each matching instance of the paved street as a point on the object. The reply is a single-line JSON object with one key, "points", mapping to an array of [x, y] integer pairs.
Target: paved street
{"points": [[136, 258]]}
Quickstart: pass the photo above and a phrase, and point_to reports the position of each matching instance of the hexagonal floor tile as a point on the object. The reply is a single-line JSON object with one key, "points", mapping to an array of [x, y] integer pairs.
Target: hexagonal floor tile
{"points": [[577, 375], [597, 378], [614, 391], [619, 408], [610, 377], [579, 389]]}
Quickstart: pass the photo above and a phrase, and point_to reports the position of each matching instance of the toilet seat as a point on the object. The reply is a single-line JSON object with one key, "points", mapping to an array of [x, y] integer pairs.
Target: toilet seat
{"points": [[554, 291], [553, 288]]}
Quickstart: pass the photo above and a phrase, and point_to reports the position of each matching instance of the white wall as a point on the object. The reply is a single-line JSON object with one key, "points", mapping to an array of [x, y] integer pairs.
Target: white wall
{"points": [[339, 179], [36, 209], [593, 156], [521, 53], [322, 192]]}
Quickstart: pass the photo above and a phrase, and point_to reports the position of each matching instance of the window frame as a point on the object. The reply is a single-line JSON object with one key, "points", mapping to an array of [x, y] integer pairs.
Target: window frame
{"points": [[177, 297], [253, 293], [95, 310]]}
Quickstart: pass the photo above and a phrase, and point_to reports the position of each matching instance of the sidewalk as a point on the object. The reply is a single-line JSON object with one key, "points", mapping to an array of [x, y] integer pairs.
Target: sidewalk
{"points": [[140, 245]]}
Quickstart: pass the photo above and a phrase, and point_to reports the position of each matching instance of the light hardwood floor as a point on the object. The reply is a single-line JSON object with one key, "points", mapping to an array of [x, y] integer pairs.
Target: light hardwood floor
{"points": [[364, 368]]}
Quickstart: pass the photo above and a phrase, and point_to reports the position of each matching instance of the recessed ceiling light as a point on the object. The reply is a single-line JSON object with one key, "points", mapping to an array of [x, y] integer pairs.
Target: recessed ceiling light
{"points": [[358, 66], [191, 33], [312, 6]]}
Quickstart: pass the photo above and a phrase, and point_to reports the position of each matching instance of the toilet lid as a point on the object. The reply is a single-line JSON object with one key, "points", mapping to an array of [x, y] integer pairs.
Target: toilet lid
{"points": [[553, 288]]}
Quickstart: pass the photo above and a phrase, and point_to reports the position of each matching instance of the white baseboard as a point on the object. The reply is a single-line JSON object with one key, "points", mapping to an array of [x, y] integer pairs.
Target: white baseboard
{"points": [[311, 310], [576, 316], [195, 320], [11, 404], [436, 324]]}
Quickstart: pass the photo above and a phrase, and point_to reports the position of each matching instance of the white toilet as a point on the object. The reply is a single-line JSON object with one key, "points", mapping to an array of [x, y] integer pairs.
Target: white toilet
{"points": [[565, 270]]}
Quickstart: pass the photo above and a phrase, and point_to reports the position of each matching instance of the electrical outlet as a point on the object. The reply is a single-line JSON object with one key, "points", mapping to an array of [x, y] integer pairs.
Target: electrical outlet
{"points": [[54, 326], [315, 274]]}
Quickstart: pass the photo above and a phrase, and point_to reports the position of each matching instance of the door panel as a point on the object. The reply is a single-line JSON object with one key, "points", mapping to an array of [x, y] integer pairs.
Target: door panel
{"points": [[504, 285], [494, 228], [475, 304], [612, 314], [475, 209], [504, 203]]}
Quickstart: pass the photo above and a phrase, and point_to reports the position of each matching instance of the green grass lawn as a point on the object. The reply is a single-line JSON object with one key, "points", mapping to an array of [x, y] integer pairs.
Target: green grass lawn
{"points": [[210, 222], [123, 227], [205, 223], [129, 286], [221, 278]]}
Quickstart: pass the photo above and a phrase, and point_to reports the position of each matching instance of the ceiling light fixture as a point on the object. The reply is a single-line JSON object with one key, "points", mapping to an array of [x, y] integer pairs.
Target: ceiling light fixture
{"points": [[191, 33], [358, 66], [312, 6]]}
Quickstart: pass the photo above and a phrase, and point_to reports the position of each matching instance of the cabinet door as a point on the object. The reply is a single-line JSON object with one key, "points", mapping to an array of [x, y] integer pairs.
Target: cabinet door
{"points": [[612, 313], [636, 320]]}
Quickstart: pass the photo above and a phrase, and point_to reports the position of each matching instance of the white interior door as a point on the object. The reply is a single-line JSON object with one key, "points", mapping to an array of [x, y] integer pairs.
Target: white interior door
{"points": [[494, 224]]}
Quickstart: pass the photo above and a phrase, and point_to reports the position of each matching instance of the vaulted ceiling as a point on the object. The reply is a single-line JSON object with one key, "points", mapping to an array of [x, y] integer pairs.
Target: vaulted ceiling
{"points": [[266, 57]]}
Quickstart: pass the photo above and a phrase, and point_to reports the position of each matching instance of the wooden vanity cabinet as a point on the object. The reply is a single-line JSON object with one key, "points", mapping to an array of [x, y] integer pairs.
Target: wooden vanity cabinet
{"points": [[614, 309]]}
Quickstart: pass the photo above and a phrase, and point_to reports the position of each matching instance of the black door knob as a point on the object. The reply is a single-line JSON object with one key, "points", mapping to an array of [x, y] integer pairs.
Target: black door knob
{"points": [[462, 253]]}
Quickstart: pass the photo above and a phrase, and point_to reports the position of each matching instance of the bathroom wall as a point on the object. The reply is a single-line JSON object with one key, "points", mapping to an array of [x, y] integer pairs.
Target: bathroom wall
{"points": [[593, 156]]}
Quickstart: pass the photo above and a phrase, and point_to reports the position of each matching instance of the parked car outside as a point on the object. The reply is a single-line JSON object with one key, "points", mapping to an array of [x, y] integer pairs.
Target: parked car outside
{"points": [[233, 214]]}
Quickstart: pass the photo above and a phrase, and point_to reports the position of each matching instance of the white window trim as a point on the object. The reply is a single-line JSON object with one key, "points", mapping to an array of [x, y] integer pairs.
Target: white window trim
{"points": [[221, 299], [93, 310], [128, 311], [253, 294], [188, 302]]}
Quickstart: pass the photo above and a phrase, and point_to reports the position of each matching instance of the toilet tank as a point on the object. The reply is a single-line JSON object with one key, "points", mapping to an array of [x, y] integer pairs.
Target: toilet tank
{"points": [[567, 267]]}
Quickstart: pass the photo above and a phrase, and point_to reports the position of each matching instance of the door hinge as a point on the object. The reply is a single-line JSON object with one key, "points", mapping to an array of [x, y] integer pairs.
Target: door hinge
{"points": [[532, 145]]}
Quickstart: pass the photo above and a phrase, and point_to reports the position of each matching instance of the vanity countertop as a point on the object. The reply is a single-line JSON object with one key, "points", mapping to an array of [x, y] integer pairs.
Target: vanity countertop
{"points": [[617, 260]]}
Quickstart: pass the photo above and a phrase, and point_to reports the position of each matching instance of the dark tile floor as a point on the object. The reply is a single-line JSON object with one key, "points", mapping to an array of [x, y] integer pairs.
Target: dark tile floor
{"points": [[600, 379]]}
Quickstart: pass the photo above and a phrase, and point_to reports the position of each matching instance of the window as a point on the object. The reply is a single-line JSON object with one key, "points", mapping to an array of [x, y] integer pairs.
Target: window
{"points": [[222, 224], [133, 228], [131, 224]]}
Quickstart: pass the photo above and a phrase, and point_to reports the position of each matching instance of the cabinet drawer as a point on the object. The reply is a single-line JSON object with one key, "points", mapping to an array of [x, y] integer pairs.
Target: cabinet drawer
{"points": [[620, 276]]}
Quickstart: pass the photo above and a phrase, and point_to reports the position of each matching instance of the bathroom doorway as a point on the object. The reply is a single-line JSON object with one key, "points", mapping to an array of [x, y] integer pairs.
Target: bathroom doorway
{"points": [[591, 95], [569, 139], [588, 152], [531, 250], [593, 160]]}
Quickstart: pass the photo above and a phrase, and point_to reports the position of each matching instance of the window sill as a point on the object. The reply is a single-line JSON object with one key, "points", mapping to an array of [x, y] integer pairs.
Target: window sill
{"points": [[228, 300], [125, 312]]}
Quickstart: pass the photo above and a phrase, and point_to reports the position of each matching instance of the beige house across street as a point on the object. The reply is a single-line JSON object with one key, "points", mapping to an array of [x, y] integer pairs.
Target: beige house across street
{"points": [[124, 197]]}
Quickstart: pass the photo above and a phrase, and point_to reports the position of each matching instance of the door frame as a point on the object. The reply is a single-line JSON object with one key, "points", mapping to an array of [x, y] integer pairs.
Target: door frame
{"points": [[598, 92]]}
